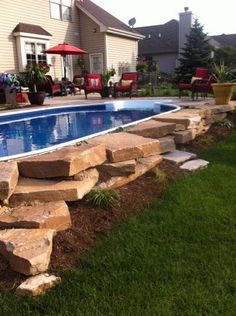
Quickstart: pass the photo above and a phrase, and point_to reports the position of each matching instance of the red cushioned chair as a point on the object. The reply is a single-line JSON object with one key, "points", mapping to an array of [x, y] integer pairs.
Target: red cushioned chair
{"points": [[127, 84], [93, 83], [200, 74], [78, 83], [49, 87]]}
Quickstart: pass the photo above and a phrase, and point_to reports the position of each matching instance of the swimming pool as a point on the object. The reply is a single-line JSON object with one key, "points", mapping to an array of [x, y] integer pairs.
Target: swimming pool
{"points": [[29, 132]]}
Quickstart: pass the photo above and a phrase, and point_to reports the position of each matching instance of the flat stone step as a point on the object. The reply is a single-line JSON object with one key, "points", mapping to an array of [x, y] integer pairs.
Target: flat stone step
{"points": [[167, 144], [65, 162], [30, 190], [27, 250], [51, 215], [194, 165], [38, 284], [183, 137], [187, 118], [125, 146], [8, 179], [143, 165], [152, 129], [122, 168], [178, 156]]}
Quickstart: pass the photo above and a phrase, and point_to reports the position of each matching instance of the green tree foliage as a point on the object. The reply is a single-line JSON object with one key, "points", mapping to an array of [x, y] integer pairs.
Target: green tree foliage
{"points": [[196, 53], [227, 54]]}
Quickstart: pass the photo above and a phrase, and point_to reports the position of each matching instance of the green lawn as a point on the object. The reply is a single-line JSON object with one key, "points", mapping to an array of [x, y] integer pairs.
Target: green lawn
{"points": [[176, 258]]}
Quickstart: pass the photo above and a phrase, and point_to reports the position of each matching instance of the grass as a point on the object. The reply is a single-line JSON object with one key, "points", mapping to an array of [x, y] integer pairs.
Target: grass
{"points": [[177, 258]]}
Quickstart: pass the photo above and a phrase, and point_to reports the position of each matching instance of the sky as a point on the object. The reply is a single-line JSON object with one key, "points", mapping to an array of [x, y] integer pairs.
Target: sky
{"points": [[216, 17]]}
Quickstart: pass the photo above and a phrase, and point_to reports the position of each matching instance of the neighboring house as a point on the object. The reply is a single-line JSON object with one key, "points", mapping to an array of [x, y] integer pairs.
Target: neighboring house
{"points": [[29, 27], [163, 43]]}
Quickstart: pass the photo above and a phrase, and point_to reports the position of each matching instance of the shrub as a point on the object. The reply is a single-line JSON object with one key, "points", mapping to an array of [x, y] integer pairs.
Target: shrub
{"points": [[225, 123], [160, 175], [103, 197]]}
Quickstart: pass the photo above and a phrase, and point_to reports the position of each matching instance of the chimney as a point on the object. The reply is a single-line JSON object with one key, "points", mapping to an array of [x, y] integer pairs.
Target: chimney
{"points": [[185, 24]]}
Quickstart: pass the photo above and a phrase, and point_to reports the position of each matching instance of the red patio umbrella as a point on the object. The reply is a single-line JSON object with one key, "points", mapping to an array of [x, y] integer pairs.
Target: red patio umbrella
{"points": [[63, 50]]}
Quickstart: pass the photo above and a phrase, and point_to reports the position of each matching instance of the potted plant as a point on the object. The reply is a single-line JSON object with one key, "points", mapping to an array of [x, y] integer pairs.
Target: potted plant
{"points": [[105, 81], [35, 75], [223, 89]]}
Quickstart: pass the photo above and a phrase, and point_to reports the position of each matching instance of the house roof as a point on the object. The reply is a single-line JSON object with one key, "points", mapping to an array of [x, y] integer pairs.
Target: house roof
{"points": [[159, 39], [106, 21], [30, 28], [225, 40]]}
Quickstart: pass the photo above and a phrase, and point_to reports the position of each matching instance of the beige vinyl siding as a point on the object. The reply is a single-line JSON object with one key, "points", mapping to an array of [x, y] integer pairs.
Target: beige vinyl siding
{"points": [[38, 13], [121, 50], [91, 42]]}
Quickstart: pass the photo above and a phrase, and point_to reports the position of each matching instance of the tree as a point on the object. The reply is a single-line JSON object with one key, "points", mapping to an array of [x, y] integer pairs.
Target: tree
{"points": [[226, 54], [196, 52]]}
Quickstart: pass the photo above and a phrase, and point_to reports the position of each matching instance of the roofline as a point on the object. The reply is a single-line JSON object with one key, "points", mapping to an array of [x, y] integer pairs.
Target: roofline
{"points": [[124, 33], [111, 30], [24, 34]]}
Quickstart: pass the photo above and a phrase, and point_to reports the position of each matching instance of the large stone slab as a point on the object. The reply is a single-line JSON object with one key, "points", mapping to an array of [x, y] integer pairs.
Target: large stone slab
{"points": [[167, 144], [8, 179], [38, 284], [27, 250], [64, 162], [187, 118], [152, 129], [29, 190], [122, 168], [194, 165], [52, 215], [124, 146], [143, 165], [179, 156], [183, 137]]}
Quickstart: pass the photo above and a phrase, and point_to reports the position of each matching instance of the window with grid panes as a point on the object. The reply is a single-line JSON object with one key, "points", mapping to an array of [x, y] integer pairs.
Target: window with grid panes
{"points": [[61, 9]]}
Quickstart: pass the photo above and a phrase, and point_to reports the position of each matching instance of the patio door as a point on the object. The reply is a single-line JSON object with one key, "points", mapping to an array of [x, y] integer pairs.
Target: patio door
{"points": [[96, 63]]}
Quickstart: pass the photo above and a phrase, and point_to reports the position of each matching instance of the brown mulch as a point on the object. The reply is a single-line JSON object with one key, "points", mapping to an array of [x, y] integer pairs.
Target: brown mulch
{"points": [[88, 221]]}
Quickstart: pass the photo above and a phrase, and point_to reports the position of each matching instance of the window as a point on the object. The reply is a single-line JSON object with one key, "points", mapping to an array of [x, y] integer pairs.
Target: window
{"points": [[35, 52], [61, 9], [96, 63]]}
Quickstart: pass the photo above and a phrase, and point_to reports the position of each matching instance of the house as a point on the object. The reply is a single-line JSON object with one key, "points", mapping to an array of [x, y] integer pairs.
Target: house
{"points": [[30, 27], [163, 43]]}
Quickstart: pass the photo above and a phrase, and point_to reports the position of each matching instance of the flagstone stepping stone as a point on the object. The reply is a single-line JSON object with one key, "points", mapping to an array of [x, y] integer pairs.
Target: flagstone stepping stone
{"points": [[152, 129], [125, 146], [122, 168], [27, 250], [179, 156], [29, 190], [8, 179], [38, 284], [53, 215], [194, 165], [64, 162], [143, 165]]}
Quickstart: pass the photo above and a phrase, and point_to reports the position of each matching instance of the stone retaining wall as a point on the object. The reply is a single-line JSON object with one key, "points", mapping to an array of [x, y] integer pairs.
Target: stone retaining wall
{"points": [[37, 188]]}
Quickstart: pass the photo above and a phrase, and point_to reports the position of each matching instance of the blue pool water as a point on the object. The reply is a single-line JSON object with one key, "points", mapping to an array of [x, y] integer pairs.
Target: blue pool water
{"points": [[32, 131]]}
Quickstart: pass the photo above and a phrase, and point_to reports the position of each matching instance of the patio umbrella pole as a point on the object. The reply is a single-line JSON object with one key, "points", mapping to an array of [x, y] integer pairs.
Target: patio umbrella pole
{"points": [[64, 64]]}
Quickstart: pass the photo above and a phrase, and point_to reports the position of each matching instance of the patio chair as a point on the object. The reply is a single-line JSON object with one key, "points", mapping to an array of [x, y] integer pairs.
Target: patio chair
{"points": [[93, 83], [49, 87], [127, 84], [200, 75], [78, 83]]}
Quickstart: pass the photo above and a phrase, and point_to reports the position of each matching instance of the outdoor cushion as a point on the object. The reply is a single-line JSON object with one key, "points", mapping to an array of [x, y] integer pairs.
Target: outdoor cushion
{"points": [[93, 82], [126, 82]]}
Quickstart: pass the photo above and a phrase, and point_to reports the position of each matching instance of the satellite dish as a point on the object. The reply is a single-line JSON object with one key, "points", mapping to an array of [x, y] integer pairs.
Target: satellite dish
{"points": [[132, 22]]}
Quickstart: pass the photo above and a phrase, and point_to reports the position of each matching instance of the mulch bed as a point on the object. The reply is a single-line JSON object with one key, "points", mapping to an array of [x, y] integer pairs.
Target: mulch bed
{"points": [[88, 222]]}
